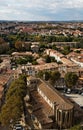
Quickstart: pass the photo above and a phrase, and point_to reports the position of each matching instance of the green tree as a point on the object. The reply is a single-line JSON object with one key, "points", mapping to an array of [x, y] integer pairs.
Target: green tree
{"points": [[25, 60], [23, 78], [46, 75], [42, 46], [13, 107], [54, 47], [40, 74], [53, 59], [11, 110], [35, 62], [48, 59], [38, 38], [70, 79], [66, 50], [76, 127], [49, 39], [55, 76]]}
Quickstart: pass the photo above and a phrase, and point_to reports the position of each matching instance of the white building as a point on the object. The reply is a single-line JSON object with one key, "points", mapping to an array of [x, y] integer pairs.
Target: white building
{"points": [[55, 54]]}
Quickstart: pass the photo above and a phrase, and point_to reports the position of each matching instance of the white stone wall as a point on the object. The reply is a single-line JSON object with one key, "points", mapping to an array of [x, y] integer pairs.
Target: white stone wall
{"points": [[46, 98]]}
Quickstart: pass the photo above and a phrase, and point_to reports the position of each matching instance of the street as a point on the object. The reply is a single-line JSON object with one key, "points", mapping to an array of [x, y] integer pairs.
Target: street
{"points": [[4, 128]]}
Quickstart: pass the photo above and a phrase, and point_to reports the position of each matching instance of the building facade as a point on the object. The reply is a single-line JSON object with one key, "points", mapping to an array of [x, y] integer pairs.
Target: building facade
{"points": [[62, 108]]}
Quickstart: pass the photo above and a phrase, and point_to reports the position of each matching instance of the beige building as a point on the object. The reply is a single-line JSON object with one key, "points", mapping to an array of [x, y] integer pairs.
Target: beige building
{"points": [[53, 53], [61, 44], [32, 82], [34, 69], [59, 107], [17, 72], [35, 48]]}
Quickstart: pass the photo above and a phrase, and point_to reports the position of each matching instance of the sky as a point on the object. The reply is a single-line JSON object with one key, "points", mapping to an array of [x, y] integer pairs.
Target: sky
{"points": [[41, 10]]}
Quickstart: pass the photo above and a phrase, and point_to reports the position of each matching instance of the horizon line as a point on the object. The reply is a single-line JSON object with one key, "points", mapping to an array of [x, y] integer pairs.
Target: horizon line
{"points": [[42, 20]]}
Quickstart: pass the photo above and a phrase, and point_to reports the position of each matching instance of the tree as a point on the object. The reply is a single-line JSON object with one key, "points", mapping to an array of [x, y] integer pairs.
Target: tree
{"points": [[19, 45], [54, 47], [38, 38], [40, 74], [49, 39], [70, 79], [21, 61], [81, 43], [23, 78], [66, 50], [42, 46], [11, 110], [48, 59], [76, 127], [25, 59], [55, 76], [17, 88], [53, 59], [46, 75], [35, 62], [13, 107], [27, 46], [1, 60], [4, 47]]}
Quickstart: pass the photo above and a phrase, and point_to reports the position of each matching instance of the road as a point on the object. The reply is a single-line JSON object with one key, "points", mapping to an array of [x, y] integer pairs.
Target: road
{"points": [[3, 128], [76, 98]]}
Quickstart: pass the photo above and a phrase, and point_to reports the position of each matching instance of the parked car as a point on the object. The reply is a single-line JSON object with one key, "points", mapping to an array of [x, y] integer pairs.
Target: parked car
{"points": [[65, 90], [68, 91], [18, 127]]}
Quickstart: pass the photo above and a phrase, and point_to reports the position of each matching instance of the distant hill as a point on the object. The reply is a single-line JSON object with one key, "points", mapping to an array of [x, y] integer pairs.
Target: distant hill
{"points": [[3, 21]]}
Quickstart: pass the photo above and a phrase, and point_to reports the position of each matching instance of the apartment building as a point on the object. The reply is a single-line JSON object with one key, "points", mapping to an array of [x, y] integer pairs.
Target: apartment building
{"points": [[34, 69], [55, 54]]}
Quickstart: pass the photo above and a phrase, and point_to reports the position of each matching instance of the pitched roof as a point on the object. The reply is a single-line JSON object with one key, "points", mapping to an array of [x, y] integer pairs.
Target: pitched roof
{"points": [[1, 91], [55, 97]]}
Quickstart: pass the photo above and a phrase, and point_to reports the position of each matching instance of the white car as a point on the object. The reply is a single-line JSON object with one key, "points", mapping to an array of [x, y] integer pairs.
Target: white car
{"points": [[68, 91], [18, 127], [82, 94]]}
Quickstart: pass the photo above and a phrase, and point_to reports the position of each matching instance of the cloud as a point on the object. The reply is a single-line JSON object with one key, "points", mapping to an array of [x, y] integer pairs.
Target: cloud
{"points": [[40, 9]]}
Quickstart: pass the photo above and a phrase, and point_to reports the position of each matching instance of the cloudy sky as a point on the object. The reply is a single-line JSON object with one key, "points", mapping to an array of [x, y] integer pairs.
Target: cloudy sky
{"points": [[37, 10]]}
